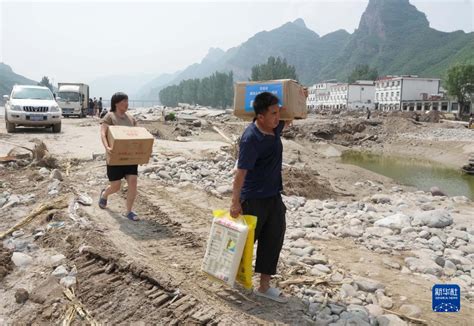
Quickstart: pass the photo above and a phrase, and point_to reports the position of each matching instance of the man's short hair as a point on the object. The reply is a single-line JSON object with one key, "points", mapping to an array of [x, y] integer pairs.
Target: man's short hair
{"points": [[263, 101]]}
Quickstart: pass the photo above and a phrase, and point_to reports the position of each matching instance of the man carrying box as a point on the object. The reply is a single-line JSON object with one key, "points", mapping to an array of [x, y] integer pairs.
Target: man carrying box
{"points": [[257, 187]]}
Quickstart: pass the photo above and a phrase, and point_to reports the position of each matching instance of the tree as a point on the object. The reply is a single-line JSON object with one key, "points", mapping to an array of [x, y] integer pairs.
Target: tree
{"points": [[45, 82], [275, 68], [459, 82], [216, 90], [362, 72]]}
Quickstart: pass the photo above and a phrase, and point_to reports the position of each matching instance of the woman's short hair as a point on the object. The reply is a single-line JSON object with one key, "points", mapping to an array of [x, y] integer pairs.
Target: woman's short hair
{"points": [[116, 98]]}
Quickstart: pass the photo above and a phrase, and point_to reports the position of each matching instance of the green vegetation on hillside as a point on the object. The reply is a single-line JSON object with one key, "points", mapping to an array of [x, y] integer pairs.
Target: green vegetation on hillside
{"points": [[273, 69], [216, 90]]}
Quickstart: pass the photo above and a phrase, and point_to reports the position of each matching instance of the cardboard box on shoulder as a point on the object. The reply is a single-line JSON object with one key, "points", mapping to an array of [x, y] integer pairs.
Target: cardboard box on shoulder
{"points": [[290, 93], [130, 145]]}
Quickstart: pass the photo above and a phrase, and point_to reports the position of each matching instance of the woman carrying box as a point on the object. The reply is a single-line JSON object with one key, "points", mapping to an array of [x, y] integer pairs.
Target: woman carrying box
{"points": [[118, 116]]}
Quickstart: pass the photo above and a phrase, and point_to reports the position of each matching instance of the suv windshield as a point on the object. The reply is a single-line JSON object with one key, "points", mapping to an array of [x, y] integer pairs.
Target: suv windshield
{"points": [[22, 93], [68, 96]]}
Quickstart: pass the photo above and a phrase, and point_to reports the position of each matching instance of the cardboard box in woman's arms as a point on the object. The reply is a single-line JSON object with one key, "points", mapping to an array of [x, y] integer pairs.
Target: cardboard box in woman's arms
{"points": [[130, 145], [291, 95]]}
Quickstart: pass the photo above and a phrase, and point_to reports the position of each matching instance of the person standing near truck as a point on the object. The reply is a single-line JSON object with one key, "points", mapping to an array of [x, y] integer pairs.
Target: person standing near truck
{"points": [[99, 107], [118, 116], [91, 107], [258, 185]]}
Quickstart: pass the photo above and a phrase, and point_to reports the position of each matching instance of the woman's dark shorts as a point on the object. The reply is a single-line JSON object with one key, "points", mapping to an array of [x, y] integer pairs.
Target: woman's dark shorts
{"points": [[118, 172]]}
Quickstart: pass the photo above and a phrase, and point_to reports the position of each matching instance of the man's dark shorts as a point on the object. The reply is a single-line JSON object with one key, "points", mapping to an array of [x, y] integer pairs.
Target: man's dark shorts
{"points": [[270, 230], [118, 172]]}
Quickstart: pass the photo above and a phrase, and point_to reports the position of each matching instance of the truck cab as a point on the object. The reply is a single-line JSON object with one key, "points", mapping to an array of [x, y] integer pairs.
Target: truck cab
{"points": [[73, 99]]}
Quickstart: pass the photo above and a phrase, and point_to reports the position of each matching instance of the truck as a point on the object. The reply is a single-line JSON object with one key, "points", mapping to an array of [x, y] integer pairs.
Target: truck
{"points": [[73, 99]]}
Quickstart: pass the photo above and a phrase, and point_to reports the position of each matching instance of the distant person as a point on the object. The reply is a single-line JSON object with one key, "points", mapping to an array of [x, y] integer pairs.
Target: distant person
{"points": [[103, 113], [471, 120], [368, 113], [99, 106], [118, 116], [94, 113], [91, 107]]}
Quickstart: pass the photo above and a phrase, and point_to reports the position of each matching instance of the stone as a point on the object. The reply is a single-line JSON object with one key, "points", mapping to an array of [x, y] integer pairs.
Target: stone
{"points": [[164, 175], [468, 249], [307, 222], [359, 310], [296, 234], [21, 296], [298, 252], [56, 259], [440, 261], [56, 174], [436, 243], [385, 302], [348, 291], [463, 235], [354, 222], [423, 265], [368, 285], [197, 123], [351, 232], [391, 264], [378, 231], [390, 320], [424, 234], [435, 191], [460, 199], [178, 160], [438, 218], [322, 268], [21, 259], [351, 319], [300, 243], [374, 310], [185, 177], [449, 268], [395, 222], [410, 310], [337, 277], [380, 199], [225, 190], [336, 309], [68, 281], [17, 234], [44, 171], [60, 271]]}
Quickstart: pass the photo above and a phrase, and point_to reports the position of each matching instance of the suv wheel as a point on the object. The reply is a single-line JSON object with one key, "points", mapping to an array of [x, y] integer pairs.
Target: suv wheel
{"points": [[57, 128], [10, 126]]}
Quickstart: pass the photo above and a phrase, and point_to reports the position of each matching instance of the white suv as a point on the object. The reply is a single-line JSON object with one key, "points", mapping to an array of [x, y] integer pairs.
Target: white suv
{"points": [[32, 106]]}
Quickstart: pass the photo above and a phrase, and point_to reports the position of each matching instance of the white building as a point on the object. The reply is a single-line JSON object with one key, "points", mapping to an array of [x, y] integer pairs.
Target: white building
{"points": [[354, 96], [396, 92], [317, 93], [361, 95]]}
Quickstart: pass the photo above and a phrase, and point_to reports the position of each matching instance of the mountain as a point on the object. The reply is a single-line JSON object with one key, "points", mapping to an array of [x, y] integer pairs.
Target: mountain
{"points": [[151, 90], [106, 86], [8, 79], [393, 36], [396, 38]]}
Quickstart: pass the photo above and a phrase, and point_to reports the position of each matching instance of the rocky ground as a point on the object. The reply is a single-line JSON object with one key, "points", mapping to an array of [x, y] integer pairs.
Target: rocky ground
{"points": [[359, 249]]}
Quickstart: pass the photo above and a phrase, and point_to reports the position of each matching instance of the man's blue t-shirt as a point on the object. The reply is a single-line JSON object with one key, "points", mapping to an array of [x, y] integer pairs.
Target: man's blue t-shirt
{"points": [[261, 155]]}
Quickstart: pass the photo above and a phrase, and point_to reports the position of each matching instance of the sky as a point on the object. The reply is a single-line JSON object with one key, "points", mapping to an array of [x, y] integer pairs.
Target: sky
{"points": [[81, 41]]}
